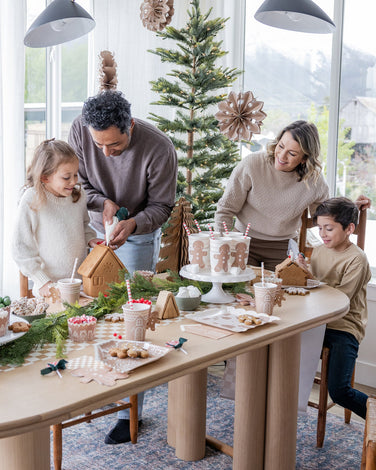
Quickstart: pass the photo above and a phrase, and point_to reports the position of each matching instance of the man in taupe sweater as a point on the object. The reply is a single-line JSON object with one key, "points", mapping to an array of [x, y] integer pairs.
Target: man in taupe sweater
{"points": [[125, 162]]}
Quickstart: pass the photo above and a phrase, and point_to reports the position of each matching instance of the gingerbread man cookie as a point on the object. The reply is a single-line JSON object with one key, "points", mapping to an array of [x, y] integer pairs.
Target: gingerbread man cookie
{"points": [[198, 253], [241, 256], [223, 256]]}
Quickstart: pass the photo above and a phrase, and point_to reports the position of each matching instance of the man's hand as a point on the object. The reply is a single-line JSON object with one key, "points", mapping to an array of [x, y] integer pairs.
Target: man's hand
{"points": [[121, 232], [363, 203], [109, 210]]}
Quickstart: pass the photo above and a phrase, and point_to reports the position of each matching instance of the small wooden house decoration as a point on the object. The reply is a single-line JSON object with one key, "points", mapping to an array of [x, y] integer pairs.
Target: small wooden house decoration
{"points": [[291, 273], [166, 305], [100, 268]]}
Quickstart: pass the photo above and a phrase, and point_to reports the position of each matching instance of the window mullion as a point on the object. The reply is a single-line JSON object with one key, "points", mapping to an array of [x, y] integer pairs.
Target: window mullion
{"points": [[53, 92], [335, 87]]}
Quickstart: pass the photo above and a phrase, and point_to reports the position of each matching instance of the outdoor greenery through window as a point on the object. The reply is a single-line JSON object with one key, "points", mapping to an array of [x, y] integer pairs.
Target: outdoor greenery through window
{"points": [[73, 79], [290, 72]]}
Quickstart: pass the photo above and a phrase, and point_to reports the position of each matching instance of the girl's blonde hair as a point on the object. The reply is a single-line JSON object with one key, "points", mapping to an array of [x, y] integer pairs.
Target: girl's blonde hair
{"points": [[48, 156], [307, 136]]}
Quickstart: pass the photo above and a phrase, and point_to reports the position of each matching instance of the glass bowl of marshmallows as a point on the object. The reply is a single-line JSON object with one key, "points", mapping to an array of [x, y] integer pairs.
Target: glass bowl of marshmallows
{"points": [[188, 298]]}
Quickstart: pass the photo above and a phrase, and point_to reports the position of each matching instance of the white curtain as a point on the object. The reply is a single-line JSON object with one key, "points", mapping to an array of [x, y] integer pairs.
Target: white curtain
{"points": [[120, 30], [12, 30]]}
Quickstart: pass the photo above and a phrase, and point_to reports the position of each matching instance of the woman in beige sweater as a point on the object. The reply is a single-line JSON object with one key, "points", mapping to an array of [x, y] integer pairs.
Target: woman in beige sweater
{"points": [[271, 190]]}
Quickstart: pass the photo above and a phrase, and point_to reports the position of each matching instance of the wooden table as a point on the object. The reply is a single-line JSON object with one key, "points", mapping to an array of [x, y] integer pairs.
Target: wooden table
{"points": [[265, 400]]}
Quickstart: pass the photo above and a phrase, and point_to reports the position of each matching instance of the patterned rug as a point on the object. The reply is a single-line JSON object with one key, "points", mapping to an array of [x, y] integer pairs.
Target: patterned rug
{"points": [[84, 449]]}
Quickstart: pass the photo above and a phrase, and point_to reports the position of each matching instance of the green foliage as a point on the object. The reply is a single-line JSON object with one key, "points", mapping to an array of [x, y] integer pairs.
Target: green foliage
{"points": [[54, 328], [195, 89]]}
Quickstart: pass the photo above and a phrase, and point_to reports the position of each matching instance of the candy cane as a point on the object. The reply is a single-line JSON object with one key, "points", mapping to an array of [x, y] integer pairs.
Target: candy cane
{"points": [[197, 225], [186, 228]]}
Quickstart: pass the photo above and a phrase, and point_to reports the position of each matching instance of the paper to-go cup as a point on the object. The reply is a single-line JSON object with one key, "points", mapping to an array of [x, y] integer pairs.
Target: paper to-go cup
{"points": [[199, 250], [264, 296], [239, 251], [220, 254], [136, 317], [69, 290]]}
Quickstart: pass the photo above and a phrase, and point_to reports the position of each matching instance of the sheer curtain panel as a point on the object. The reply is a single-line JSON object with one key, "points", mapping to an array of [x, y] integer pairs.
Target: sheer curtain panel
{"points": [[12, 30]]}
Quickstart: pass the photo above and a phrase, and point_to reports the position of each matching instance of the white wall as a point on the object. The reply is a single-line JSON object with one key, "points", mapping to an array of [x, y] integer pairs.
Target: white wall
{"points": [[365, 372]]}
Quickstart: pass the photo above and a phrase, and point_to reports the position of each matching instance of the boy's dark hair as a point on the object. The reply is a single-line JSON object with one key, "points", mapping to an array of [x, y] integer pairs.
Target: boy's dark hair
{"points": [[107, 109], [343, 211]]}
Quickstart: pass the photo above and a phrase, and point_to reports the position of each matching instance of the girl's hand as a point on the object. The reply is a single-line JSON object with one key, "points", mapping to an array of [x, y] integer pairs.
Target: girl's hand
{"points": [[44, 291], [96, 241]]}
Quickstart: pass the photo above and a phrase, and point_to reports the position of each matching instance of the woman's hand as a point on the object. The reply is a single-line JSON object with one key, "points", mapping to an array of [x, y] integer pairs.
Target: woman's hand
{"points": [[301, 261], [363, 203]]}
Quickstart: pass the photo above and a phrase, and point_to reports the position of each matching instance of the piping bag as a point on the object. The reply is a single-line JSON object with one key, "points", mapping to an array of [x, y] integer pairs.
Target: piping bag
{"points": [[121, 214]]}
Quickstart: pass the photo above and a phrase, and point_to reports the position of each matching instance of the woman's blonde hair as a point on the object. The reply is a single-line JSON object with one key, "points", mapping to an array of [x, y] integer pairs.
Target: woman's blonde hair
{"points": [[307, 136], [48, 156]]}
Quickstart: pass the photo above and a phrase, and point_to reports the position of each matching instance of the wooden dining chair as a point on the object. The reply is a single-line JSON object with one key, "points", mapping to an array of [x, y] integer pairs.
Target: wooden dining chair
{"points": [[57, 429], [369, 442], [323, 405]]}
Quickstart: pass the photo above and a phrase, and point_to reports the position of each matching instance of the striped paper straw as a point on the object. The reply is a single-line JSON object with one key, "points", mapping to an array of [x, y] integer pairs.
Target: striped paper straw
{"points": [[197, 225], [129, 293], [225, 226], [211, 232], [186, 228], [247, 230]]}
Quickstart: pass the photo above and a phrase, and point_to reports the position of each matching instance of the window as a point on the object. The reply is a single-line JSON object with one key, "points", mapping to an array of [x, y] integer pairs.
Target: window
{"points": [[290, 72], [55, 85]]}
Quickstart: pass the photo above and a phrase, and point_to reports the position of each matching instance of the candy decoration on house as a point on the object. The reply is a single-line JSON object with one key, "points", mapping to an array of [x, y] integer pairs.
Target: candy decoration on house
{"points": [[107, 71], [173, 254], [156, 14], [240, 116]]}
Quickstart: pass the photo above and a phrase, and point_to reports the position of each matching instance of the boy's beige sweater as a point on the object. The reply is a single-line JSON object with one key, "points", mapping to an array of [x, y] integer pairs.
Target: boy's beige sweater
{"points": [[271, 201], [349, 272]]}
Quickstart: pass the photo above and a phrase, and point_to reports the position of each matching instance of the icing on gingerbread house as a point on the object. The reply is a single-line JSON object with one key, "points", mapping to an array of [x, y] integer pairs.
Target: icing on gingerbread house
{"points": [[100, 268], [291, 273]]}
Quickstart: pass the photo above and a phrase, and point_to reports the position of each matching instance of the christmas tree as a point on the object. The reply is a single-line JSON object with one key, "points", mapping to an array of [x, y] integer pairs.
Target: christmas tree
{"points": [[173, 254], [206, 154]]}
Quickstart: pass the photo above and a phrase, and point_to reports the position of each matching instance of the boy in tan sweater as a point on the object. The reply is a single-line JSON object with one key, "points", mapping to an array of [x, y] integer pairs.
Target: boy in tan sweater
{"points": [[344, 266]]}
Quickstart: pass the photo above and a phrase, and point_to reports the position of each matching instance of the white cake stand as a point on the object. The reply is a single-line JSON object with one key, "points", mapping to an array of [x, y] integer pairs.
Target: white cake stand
{"points": [[217, 295]]}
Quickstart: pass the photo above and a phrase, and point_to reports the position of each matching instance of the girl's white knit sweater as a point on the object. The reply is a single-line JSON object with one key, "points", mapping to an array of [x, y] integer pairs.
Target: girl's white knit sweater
{"points": [[47, 240]]}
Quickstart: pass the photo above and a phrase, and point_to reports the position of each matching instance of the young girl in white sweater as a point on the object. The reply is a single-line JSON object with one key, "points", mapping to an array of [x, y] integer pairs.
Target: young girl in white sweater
{"points": [[52, 222]]}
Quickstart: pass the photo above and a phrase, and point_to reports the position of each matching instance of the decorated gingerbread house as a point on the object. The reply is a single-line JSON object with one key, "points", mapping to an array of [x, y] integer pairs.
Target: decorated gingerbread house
{"points": [[292, 274], [100, 268]]}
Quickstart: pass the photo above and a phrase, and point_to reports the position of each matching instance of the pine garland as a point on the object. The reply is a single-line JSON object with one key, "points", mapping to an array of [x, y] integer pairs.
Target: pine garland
{"points": [[54, 328]]}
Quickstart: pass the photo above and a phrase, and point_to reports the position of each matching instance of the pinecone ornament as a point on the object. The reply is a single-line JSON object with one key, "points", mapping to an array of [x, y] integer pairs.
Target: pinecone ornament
{"points": [[240, 116]]}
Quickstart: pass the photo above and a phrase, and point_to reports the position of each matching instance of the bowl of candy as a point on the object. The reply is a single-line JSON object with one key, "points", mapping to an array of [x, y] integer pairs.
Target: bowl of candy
{"points": [[188, 298]]}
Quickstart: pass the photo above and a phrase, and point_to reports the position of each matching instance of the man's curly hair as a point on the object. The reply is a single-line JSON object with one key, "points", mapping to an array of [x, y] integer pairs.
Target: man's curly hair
{"points": [[108, 108]]}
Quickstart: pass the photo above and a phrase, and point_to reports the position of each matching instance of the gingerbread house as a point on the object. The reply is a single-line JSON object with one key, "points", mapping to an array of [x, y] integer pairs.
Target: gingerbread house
{"points": [[292, 274], [100, 268], [166, 305]]}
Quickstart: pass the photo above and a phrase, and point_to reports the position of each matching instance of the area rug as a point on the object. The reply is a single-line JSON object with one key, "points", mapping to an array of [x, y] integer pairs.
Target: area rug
{"points": [[84, 449]]}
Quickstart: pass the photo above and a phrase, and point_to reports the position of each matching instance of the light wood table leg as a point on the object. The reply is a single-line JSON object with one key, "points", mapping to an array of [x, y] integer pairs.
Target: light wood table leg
{"points": [[171, 413], [282, 404], [250, 402], [190, 415], [29, 451]]}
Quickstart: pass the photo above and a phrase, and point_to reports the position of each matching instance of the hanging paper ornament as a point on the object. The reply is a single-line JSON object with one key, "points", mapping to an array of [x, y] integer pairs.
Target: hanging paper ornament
{"points": [[156, 14], [107, 71], [240, 116]]}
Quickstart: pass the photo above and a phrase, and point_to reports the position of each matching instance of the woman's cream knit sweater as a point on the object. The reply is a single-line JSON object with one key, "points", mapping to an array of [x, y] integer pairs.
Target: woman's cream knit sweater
{"points": [[271, 201]]}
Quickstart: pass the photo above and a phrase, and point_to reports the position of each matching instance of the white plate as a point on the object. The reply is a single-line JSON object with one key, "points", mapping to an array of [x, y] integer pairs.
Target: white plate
{"points": [[227, 318], [10, 336], [311, 284], [129, 363]]}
